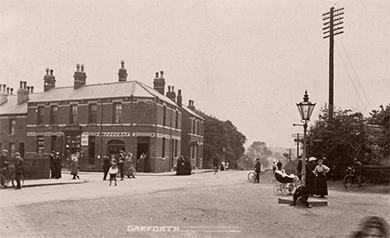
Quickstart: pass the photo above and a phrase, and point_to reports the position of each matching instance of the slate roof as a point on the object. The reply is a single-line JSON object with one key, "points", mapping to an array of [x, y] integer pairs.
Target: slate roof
{"points": [[191, 112], [91, 91], [11, 107], [106, 90]]}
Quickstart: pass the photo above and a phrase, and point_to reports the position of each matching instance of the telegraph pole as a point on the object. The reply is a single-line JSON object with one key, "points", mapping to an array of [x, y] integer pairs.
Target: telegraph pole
{"points": [[332, 27]]}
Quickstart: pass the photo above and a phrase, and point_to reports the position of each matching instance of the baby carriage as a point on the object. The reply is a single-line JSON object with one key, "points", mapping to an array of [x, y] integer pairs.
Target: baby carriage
{"points": [[285, 184]]}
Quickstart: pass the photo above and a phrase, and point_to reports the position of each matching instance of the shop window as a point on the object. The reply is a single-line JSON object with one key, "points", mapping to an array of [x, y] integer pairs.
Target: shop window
{"points": [[40, 144]]}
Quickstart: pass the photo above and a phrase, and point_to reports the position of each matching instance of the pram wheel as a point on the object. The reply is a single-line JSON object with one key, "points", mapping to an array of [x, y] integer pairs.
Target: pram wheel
{"points": [[278, 190], [289, 189]]}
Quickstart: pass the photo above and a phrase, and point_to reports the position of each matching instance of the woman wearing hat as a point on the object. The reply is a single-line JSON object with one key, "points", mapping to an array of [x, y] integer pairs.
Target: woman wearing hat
{"points": [[310, 176], [74, 165], [320, 171]]}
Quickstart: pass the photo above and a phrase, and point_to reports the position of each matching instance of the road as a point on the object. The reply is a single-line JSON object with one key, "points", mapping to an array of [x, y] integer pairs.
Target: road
{"points": [[200, 205]]}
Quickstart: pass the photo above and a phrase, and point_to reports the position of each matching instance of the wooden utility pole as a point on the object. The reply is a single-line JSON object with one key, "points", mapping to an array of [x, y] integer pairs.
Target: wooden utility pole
{"points": [[332, 22]]}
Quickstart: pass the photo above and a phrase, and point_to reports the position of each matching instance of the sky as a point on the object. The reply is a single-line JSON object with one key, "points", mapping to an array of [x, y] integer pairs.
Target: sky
{"points": [[249, 62]]}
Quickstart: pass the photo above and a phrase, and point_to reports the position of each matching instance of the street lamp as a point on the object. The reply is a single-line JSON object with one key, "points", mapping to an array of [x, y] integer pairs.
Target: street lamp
{"points": [[305, 108]]}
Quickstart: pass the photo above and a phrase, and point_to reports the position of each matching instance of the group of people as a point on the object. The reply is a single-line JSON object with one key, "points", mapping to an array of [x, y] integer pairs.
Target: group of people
{"points": [[219, 165], [114, 164], [183, 166], [316, 177], [18, 166], [56, 165]]}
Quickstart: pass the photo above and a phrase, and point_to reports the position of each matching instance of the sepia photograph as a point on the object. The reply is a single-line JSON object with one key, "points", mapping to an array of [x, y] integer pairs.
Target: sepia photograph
{"points": [[194, 118]]}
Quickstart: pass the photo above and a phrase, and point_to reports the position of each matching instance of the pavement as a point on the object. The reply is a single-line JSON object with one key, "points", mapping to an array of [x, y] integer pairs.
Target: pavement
{"points": [[66, 179]]}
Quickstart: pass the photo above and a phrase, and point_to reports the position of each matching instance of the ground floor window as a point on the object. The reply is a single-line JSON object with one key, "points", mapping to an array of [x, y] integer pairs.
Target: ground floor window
{"points": [[40, 144]]}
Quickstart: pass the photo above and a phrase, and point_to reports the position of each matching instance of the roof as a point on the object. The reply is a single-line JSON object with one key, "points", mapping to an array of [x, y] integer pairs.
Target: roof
{"points": [[107, 90], [191, 112], [11, 106]]}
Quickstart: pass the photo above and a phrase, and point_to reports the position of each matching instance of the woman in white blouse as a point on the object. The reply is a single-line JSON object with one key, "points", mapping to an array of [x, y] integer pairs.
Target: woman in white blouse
{"points": [[321, 187]]}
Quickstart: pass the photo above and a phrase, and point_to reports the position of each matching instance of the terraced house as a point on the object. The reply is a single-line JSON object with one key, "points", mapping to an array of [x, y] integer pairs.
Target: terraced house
{"points": [[98, 119]]}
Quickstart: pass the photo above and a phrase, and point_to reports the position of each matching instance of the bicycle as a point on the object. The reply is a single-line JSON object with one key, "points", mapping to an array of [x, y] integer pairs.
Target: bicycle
{"points": [[8, 175], [351, 178], [252, 176]]}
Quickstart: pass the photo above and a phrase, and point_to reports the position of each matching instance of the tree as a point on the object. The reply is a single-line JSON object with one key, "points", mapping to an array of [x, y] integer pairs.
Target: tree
{"points": [[259, 150], [223, 138]]}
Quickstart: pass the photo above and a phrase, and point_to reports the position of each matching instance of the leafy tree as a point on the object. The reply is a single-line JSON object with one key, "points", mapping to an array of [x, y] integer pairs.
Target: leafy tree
{"points": [[259, 150], [223, 138]]}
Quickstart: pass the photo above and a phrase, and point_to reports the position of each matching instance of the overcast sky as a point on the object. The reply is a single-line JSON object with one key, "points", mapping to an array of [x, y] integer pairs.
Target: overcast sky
{"points": [[244, 61]]}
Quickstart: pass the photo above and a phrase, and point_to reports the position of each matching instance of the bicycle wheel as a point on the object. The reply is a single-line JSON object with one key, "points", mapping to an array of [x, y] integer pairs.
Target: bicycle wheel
{"points": [[14, 184], [252, 177], [3, 182], [348, 181]]}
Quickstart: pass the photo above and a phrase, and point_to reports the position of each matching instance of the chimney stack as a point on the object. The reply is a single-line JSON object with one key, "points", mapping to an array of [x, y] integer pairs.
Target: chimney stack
{"points": [[49, 80], [32, 89], [23, 92], [3, 94], [179, 98], [8, 90], [159, 83], [171, 93], [12, 90], [122, 72], [191, 105], [79, 77]]}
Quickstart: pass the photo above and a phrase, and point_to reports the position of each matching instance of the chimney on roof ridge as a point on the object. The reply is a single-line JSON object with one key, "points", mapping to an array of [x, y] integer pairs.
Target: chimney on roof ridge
{"points": [[8, 90], [28, 88], [179, 98], [191, 105], [171, 93], [23, 93], [32, 89], [12, 90], [79, 77], [122, 72], [3, 94], [159, 83], [49, 80]]}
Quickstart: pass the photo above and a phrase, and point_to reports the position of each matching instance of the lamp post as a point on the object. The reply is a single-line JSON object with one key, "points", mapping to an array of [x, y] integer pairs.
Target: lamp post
{"points": [[305, 108]]}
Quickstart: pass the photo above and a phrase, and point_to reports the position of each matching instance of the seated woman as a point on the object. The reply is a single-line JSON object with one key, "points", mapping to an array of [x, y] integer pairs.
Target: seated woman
{"points": [[282, 177]]}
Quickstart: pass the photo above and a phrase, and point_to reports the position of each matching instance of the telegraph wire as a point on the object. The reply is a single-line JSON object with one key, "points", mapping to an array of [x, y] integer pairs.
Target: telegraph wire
{"points": [[353, 68], [351, 78]]}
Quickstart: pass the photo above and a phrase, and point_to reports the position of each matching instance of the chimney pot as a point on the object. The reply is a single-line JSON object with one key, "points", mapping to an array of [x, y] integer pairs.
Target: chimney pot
{"points": [[7, 89], [32, 89], [47, 71], [51, 72], [1, 87], [24, 84], [12, 90], [169, 89], [21, 84], [123, 64], [156, 75], [4, 85], [28, 88], [78, 67], [162, 74], [82, 68], [173, 88]]}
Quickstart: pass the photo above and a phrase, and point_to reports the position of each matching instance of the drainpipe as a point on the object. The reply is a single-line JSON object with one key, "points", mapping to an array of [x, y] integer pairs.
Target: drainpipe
{"points": [[100, 129]]}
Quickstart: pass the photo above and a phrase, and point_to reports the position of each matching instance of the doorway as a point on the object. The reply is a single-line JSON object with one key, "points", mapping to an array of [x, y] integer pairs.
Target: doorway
{"points": [[143, 165], [115, 146]]}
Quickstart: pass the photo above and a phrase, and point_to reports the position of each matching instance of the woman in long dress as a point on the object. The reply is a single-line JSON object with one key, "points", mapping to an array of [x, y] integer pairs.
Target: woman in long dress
{"points": [[321, 187], [75, 167]]}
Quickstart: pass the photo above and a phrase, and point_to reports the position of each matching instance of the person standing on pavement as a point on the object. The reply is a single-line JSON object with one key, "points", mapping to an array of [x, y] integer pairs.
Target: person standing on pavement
{"points": [[310, 176], [18, 169], [52, 158], [359, 170], [257, 170], [57, 165], [129, 160], [320, 171], [216, 163], [113, 171], [74, 167], [4, 160], [121, 163], [187, 166], [180, 166], [299, 168], [106, 166], [279, 165]]}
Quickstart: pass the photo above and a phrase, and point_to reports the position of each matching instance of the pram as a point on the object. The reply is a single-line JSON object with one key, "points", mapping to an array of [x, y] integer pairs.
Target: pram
{"points": [[285, 184]]}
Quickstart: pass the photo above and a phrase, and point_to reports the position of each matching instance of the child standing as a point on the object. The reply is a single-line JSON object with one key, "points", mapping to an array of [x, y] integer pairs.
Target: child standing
{"points": [[113, 171]]}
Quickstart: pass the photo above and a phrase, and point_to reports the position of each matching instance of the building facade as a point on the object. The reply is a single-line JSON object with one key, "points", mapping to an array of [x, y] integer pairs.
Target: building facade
{"points": [[96, 120]]}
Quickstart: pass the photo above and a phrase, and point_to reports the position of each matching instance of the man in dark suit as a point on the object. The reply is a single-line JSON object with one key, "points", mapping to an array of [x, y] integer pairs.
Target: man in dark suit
{"points": [[257, 170], [18, 169], [302, 194]]}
